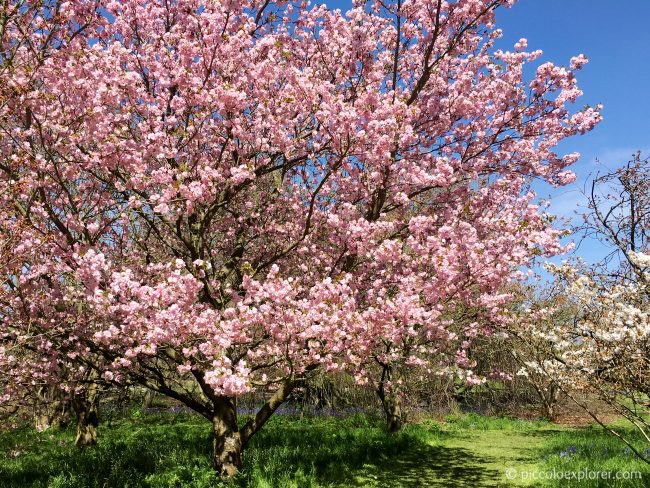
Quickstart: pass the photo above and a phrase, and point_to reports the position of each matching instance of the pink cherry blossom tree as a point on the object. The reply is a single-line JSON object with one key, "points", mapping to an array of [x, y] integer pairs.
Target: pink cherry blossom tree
{"points": [[39, 351], [211, 198]]}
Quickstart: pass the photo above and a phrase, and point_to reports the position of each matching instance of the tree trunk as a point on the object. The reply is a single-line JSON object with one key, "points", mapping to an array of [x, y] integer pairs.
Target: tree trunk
{"points": [[230, 441], [549, 411], [391, 402], [551, 401], [227, 444], [85, 406], [52, 409], [394, 415], [42, 419], [147, 402], [549, 398]]}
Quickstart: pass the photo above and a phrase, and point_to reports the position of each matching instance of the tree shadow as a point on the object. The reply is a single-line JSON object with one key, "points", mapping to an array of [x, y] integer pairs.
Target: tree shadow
{"points": [[433, 466], [548, 432], [372, 458]]}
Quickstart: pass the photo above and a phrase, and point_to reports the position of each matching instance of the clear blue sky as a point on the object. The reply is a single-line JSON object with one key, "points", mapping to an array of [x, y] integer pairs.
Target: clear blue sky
{"points": [[615, 36]]}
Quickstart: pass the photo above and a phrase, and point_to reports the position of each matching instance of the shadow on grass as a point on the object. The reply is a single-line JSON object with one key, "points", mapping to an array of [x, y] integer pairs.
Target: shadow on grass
{"points": [[429, 466], [174, 451], [544, 433], [360, 456]]}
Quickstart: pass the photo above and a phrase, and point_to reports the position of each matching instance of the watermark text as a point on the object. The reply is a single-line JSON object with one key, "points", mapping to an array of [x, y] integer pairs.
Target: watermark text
{"points": [[576, 475]]}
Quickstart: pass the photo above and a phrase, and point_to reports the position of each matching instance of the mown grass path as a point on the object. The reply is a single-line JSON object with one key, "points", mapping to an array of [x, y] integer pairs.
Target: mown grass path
{"points": [[467, 455]]}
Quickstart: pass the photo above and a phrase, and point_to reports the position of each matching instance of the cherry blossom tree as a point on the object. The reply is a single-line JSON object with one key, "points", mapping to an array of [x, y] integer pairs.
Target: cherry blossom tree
{"points": [[39, 349], [211, 198]]}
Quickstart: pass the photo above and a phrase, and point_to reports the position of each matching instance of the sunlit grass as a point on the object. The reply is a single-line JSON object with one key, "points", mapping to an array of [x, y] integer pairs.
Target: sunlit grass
{"points": [[590, 452], [173, 450]]}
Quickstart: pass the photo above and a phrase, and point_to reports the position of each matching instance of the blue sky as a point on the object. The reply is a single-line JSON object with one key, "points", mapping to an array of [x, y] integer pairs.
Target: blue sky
{"points": [[615, 36]]}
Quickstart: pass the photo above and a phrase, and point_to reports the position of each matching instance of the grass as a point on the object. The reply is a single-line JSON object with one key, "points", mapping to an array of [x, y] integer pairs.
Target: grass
{"points": [[592, 452], [166, 450]]}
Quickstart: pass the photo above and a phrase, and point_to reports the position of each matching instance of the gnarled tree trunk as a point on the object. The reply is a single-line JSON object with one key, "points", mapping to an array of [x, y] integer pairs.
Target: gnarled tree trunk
{"points": [[550, 398], [390, 401], [52, 409], [147, 401], [394, 413], [85, 406], [227, 443]]}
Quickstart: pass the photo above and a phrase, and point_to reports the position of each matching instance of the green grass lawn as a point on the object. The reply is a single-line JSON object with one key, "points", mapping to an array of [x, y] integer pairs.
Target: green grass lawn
{"points": [[464, 451]]}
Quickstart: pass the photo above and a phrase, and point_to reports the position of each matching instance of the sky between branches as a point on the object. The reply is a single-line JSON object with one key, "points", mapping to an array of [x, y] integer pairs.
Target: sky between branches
{"points": [[615, 36]]}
